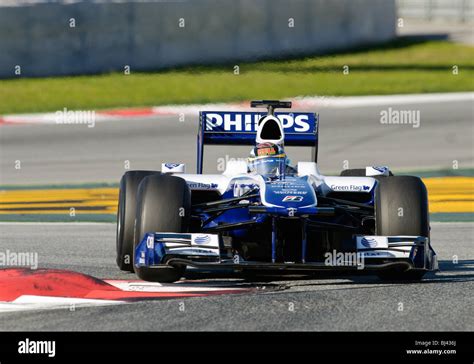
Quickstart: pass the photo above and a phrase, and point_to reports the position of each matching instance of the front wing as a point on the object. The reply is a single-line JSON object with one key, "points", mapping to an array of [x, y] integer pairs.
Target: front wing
{"points": [[204, 251]]}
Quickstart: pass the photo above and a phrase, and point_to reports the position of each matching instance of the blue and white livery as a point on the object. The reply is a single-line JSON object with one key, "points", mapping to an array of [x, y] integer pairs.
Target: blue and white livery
{"points": [[266, 214]]}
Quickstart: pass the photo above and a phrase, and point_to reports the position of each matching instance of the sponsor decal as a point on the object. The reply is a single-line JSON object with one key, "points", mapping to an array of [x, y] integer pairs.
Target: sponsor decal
{"points": [[292, 198], [350, 188], [202, 239], [266, 151], [368, 242], [150, 242], [371, 242], [265, 160], [376, 171], [380, 169], [193, 251], [289, 184], [385, 254], [202, 186], [288, 191], [173, 167], [141, 259], [248, 122]]}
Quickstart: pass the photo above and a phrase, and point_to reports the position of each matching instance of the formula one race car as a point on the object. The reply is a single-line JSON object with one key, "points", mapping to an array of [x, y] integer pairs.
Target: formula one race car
{"points": [[265, 215]]}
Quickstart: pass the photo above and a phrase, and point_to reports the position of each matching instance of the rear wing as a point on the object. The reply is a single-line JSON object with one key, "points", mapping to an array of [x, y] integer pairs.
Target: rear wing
{"points": [[239, 128]]}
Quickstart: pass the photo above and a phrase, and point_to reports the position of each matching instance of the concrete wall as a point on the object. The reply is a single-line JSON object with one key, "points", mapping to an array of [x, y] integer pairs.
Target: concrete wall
{"points": [[461, 11], [146, 35]]}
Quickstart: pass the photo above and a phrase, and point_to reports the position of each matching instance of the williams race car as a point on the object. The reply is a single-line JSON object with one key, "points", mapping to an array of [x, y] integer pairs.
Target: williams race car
{"points": [[265, 215]]}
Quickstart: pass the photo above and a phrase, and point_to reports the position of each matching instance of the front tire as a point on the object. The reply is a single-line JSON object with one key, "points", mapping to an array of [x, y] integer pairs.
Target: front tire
{"points": [[163, 204], [126, 217], [401, 208]]}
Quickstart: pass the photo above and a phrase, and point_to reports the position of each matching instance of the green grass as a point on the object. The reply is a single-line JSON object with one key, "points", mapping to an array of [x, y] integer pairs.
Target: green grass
{"points": [[399, 67]]}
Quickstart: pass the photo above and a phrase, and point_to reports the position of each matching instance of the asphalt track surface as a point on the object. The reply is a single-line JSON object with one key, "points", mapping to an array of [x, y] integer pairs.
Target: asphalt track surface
{"points": [[443, 301], [54, 154]]}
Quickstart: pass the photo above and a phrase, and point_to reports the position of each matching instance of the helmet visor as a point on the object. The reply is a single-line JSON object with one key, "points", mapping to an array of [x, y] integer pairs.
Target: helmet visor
{"points": [[273, 166]]}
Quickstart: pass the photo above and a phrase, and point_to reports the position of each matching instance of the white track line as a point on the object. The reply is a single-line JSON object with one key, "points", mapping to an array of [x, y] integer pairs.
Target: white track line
{"points": [[362, 101], [32, 302], [315, 102], [52, 223]]}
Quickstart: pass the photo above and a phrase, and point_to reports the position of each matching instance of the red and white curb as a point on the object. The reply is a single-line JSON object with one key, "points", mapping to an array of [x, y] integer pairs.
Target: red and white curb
{"points": [[302, 103], [32, 303], [46, 289]]}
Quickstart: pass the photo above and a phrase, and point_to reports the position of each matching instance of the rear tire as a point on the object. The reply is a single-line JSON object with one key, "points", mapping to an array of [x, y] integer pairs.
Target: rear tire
{"points": [[163, 204], [126, 217], [401, 208]]}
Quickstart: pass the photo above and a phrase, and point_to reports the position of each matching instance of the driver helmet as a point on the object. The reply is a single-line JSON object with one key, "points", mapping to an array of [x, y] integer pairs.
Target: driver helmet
{"points": [[268, 160]]}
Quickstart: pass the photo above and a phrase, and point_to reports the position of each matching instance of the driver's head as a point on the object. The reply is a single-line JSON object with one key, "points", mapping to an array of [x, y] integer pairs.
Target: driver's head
{"points": [[267, 159]]}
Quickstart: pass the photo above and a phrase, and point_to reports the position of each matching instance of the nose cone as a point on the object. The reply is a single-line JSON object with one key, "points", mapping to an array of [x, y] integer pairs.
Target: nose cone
{"points": [[270, 130], [290, 193]]}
